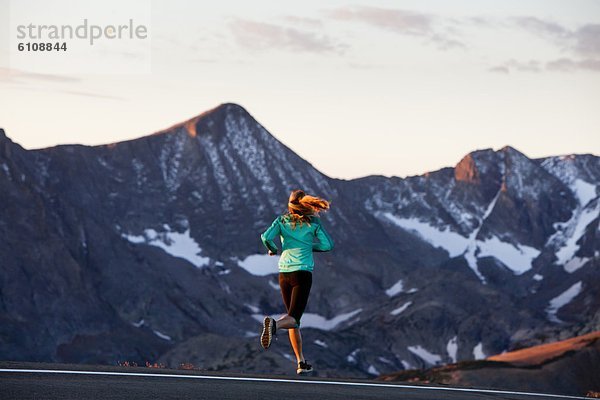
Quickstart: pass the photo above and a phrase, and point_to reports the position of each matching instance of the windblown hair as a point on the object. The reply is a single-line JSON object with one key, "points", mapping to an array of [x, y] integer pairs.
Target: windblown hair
{"points": [[302, 206]]}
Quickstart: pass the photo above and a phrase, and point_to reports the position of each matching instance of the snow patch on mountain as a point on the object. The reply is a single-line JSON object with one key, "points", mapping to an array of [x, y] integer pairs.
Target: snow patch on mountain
{"points": [[565, 239], [517, 258], [311, 320], [577, 178], [385, 360], [471, 259], [177, 244], [575, 263], [471, 252], [260, 264], [252, 308], [454, 243], [478, 352], [396, 288], [401, 308], [351, 358], [162, 335], [372, 370], [425, 355], [561, 300], [138, 324], [406, 365], [584, 191], [452, 348]]}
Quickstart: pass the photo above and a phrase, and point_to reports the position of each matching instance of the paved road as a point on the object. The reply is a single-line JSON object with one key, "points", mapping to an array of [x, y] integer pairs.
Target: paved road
{"points": [[66, 381]]}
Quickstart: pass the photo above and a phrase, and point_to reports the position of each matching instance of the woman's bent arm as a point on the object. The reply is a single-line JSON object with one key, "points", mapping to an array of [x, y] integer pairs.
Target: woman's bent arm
{"points": [[270, 234], [325, 241]]}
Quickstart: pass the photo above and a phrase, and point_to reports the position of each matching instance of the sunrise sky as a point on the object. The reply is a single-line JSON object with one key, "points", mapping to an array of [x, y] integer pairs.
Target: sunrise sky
{"points": [[356, 88]]}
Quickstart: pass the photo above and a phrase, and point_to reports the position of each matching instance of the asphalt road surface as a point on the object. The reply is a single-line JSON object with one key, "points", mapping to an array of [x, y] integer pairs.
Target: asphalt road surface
{"points": [[41, 381]]}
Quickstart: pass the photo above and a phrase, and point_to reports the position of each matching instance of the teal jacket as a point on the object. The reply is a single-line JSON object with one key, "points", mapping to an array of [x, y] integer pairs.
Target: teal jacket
{"points": [[297, 243]]}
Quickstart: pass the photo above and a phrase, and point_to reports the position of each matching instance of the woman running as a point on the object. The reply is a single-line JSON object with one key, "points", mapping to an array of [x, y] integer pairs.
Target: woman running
{"points": [[297, 229]]}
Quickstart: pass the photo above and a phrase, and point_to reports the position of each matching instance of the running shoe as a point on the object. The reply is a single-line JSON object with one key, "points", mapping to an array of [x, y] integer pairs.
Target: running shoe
{"points": [[304, 368], [268, 333]]}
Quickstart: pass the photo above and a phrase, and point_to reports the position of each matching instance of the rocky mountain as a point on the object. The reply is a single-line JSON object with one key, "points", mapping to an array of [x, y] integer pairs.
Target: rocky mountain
{"points": [[149, 250], [568, 367]]}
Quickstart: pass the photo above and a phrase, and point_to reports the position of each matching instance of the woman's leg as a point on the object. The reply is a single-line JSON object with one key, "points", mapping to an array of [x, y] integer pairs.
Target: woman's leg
{"points": [[299, 299], [300, 293], [286, 322], [296, 341], [286, 281], [295, 289]]}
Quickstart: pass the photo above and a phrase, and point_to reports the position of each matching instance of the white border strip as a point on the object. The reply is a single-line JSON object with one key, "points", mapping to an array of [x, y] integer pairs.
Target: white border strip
{"points": [[250, 379]]}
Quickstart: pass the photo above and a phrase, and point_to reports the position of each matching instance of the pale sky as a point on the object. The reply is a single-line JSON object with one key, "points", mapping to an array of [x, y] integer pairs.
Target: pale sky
{"points": [[355, 88]]}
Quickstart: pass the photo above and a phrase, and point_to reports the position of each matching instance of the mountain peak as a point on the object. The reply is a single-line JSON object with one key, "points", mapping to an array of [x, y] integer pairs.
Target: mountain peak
{"points": [[512, 151], [216, 114], [223, 108], [471, 166]]}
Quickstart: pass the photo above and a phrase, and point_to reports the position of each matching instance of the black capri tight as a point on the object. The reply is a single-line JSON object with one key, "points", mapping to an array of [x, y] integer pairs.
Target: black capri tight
{"points": [[295, 288]]}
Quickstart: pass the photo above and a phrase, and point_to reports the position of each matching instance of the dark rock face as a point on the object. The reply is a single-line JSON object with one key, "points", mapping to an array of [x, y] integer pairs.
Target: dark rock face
{"points": [[140, 251]]}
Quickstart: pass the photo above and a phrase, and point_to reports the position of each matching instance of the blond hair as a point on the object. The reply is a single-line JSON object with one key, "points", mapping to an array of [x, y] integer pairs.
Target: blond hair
{"points": [[302, 206]]}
